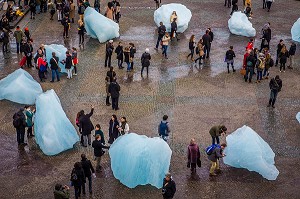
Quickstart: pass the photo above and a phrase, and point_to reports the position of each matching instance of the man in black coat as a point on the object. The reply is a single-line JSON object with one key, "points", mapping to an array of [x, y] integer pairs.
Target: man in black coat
{"points": [[111, 74], [86, 126], [114, 90], [98, 152], [19, 123], [250, 64], [174, 29], [109, 48], [88, 170], [77, 179], [66, 24], [292, 52], [28, 53], [234, 6], [145, 59], [161, 32], [207, 42], [54, 67], [275, 87], [169, 187]]}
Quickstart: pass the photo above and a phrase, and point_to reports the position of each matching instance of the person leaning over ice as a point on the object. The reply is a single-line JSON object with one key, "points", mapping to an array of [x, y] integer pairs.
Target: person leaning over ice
{"points": [[98, 151], [216, 132], [123, 126], [29, 114], [164, 129], [169, 187], [214, 157]]}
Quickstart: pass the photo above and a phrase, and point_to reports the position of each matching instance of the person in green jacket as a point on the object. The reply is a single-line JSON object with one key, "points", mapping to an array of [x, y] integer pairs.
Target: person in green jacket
{"points": [[61, 192], [18, 34], [29, 115], [216, 131], [98, 131]]}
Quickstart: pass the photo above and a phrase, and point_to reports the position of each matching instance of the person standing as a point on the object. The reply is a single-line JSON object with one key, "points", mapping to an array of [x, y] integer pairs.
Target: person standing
{"points": [[98, 151], [269, 62], [161, 32], [200, 51], [107, 83], [250, 64], [109, 11], [260, 66], [157, 3], [126, 57], [119, 52], [66, 24], [98, 131], [86, 127], [228, 2], [77, 179], [88, 171], [54, 67], [145, 59], [266, 36], [214, 157], [207, 41], [283, 55], [169, 187], [51, 8], [131, 54], [292, 52], [29, 120], [275, 87], [164, 129], [113, 130], [174, 29], [5, 41], [279, 47], [269, 4], [216, 131], [32, 5], [193, 155], [191, 47], [97, 5], [72, 11], [117, 10], [81, 9], [59, 8], [18, 34], [19, 123], [81, 31], [109, 48], [165, 44], [111, 74], [74, 60], [264, 4], [28, 53], [68, 64], [114, 90], [234, 6], [61, 192], [123, 126], [229, 58]]}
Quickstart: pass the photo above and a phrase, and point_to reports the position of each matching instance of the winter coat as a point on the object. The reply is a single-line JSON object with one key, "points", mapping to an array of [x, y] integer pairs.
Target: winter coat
{"points": [[201, 49], [229, 55], [98, 146], [275, 85], [119, 52], [29, 116], [87, 167], [109, 49], [283, 57], [113, 131], [85, 124], [81, 29], [61, 194], [66, 22], [161, 30], [68, 64], [169, 188], [72, 11], [28, 50], [132, 52], [126, 55], [193, 153], [279, 47], [145, 59], [111, 75], [252, 59], [215, 155], [216, 130], [173, 16], [6, 37], [165, 40], [292, 50], [191, 45], [80, 177], [114, 89], [99, 132], [106, 88], [206, 39], [21, 117], [211, 34], [18, 34], [174, 26], [124, 128], [54, 63]]}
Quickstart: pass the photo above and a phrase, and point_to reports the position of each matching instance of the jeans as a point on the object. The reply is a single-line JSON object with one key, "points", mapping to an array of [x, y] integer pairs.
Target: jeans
{"points": [[165, 48], [273, 97], [128, 66], [266, 72], [77, 191], [115, 103], [20, 135], [18, 46], [81, 38], [38, 8], [69, 72], [107, 59], [98, 161], [282, 66], [207, 50], [86, 140], [259, 75], [158, 41], [214, 166], [249, 70], [214, 139], [120, 62], [53, 74], [90, 185]]}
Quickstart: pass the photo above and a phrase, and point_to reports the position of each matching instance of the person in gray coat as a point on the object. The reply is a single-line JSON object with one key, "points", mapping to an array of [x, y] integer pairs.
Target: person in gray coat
{"points": [[214, 158]]}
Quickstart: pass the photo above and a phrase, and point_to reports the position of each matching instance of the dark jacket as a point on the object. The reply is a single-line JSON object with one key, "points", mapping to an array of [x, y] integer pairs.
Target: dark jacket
{"points": [[54, 63], [211, 34], [145, 59], [80, 177], [65, 22], [113, 130], [68, 62], [230, 55], [114, 89], [283, 56], [215, 155], [61, 194], [99, 132], [87, 167], [169, 188], [119, 52], [22, 120], [109, 49], [275, 85], [28, 50], [161, 30], [6, 37], [193, 153], [126, 55], [132, 52], [267, 34], [111, 75], [85, 124], [279, 47], [292, 50], [81, 30], [251, 59], [98, 146], [174, 26], [206, 39], [216, 130]]}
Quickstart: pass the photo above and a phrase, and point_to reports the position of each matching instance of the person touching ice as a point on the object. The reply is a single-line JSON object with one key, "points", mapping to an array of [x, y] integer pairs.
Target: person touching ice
{"points": [[216, 131], [98, 151]]}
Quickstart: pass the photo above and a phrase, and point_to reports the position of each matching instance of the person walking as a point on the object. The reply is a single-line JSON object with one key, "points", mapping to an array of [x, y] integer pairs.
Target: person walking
{"points": [[279, 47], [29, 120], [234, 6], [68, 64], [107, 83], [72, 11], [131, 54], [275, 87], [260, 66], [123, 126], [98, 151], [5, 41], [292, 52], [81, 31], [192, 44], [126, 57], [266, 36], [269, 4], [51, 8], [19, 122], [109, 48], [169, 187], [214, 157], [174, 29], [164, 128], [269, 62], [119, 52], [229, 58], [54, 67], [250, 64], [113, 130], [88, 172], [283, 55], [74, 60], [200, 51], [193, 155], [207, 42], [61, 192], [109, 11], [86, 126], [77, 179], [114, 90], [111, 74], [66, 24], [18, 34], [145, 60], [165, 44], [161, 33], [216, 131]]}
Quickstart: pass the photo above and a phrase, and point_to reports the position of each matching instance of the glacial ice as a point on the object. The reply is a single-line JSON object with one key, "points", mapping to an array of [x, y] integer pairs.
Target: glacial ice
{"points": [[20, 87], [99, 27], [139, 160], [60, 52], [246, 149], [164, 13], [296, 31], [239, 24], [298, 117], [54, 132]]}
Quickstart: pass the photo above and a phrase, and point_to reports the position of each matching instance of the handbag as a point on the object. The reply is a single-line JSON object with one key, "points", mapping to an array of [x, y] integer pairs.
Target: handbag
{"points": [[243, 71]]}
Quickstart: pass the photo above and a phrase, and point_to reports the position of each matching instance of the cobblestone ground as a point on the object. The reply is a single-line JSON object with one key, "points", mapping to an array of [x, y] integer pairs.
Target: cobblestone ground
{"points": [[195, 99]]}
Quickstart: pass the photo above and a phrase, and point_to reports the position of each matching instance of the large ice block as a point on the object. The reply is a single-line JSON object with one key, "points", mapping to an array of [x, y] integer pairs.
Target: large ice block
{"points": [[239, 24], [298, 117], [60, 52], [163, 14], [296, 31], [99, 27], [246, 149], [54, 132], [20, 87], [139, 160]]}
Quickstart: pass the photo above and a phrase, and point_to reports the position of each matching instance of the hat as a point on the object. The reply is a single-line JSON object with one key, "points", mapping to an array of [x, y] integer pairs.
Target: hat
{"points": [[147, 50], [110, 41], [168, 175], [26, 28]]}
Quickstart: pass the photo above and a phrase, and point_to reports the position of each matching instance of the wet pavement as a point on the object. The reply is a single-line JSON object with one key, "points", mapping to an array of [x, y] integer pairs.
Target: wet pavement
{"points": [[194, 98]]}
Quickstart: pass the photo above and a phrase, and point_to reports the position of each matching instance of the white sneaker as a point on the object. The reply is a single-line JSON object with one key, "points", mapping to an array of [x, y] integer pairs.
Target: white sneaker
{"points": [[75, 74]]}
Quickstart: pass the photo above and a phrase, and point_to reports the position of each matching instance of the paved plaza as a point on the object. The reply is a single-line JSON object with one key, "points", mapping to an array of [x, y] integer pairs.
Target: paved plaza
{"points": [[194, 98]]}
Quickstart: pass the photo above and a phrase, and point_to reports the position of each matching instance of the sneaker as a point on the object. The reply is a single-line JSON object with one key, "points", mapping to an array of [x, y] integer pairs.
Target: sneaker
{"points": [[234, 70], [75, 74], [280, 71]]}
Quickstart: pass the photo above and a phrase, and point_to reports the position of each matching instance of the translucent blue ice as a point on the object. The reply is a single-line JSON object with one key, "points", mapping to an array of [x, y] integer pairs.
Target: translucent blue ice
{"points": [[60, 52], [99, 27], [139, 160], [239, 24], [246, 149], [164, 13], [54, 132], [296, 31], [298, 117], [20, 87]]}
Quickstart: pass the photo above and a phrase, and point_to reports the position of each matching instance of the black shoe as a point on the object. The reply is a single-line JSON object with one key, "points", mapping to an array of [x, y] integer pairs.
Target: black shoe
{"points": [[116, 109], [273, 106], [269, 105], [233, 70], [51, 81]]}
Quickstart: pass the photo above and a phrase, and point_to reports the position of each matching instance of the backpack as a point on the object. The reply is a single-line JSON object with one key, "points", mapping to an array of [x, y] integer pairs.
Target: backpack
{"points": [[17, 121], [271, 63], [260, 64], [74, 176], [163, 128], [249, 63], [209, 150]]}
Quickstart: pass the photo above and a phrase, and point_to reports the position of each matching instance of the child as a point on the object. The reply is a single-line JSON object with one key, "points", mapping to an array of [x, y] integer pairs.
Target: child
{"points": [[75, 60], [98, 131]]}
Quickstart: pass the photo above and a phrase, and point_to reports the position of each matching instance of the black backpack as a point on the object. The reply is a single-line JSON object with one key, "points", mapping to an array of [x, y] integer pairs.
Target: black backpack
{"points": [[74, 176], [17, 122]]}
